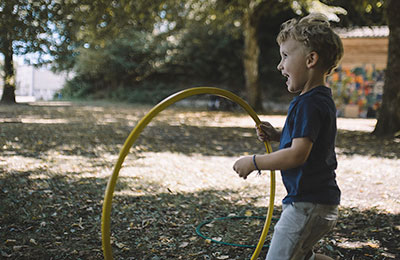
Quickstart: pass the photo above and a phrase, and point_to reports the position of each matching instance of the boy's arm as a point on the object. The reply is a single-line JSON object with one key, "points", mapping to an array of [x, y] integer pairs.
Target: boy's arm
{"points": [[283, 159]]}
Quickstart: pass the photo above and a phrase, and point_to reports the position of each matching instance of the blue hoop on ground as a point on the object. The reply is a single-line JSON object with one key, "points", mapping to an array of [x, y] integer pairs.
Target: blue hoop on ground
{"points": [[198, 231]]}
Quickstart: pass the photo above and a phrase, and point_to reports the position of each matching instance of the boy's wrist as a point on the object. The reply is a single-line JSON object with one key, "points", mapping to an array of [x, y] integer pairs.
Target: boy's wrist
{"points": [[255, 165]]}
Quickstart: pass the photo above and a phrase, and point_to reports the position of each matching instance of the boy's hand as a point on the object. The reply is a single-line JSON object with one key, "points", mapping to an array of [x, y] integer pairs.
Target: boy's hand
{"points": [[244, 166], [266, 132]]}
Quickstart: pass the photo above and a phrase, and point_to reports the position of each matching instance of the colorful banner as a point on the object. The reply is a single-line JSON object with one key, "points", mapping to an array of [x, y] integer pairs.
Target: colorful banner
{"points": [[358, 91]]}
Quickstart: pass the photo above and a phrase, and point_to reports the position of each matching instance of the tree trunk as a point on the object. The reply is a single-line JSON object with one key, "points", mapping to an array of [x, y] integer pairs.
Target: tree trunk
{"points": [[250, 60], [389, 116], [9, 73]]}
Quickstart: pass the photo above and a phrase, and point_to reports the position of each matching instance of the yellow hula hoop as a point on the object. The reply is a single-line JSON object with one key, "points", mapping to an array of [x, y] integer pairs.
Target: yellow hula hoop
{"points": [[106, 214]]}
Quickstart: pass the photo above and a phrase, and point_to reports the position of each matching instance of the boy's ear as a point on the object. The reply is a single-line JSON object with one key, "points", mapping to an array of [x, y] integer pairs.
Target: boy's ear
{"points": [[312, 59]]}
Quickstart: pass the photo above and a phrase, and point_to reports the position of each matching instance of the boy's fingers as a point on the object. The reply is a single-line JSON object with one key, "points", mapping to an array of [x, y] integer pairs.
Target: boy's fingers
{"points": [[262, 138], [265, 127]]}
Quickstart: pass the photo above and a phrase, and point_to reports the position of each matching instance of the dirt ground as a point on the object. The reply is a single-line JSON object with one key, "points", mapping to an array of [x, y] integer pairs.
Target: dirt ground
{"points": [[56, 158]]}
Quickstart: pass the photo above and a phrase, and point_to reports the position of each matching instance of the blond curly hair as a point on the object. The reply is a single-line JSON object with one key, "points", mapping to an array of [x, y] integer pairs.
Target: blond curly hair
{"points": [[315, 32]]}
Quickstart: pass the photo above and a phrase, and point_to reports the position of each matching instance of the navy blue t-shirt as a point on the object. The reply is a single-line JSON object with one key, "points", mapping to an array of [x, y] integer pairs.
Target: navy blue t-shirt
{"points": [[312, 115]]}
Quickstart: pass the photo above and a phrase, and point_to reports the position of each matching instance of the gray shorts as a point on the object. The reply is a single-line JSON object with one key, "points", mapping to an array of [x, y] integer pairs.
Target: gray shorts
{"points": [[300, 227]]}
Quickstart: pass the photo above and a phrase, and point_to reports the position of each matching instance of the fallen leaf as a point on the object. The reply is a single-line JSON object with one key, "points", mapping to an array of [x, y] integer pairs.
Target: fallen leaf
{"points": [[11, 241], [372, 244], [184, 244], [248, 213], [17, 248], [120, 245]]}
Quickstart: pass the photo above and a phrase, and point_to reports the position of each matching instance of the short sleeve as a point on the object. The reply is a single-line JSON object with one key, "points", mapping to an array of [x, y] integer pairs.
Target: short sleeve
{"points": [[307, 122]]}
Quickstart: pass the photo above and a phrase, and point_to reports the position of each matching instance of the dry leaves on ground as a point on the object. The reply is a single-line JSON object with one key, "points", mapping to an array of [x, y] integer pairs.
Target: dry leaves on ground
{"points": [[55, 160]]}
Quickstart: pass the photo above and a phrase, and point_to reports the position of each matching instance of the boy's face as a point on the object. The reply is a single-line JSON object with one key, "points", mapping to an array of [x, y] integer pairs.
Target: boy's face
{"points": [[293, 64]]}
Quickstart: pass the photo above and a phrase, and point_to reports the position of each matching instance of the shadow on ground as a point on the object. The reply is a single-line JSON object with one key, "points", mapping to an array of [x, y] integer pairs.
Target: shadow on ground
{"points": [[48, 214], [91, 130], [364, 143], [59, 218]]}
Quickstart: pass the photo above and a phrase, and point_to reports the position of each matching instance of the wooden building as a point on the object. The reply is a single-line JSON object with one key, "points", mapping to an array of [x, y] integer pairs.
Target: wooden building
{"points": [[358, 82], [365, 46]]}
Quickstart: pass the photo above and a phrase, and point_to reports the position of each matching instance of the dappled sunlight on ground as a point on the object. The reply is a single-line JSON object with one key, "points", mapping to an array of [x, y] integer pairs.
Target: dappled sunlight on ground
{"points": [[56, 159], [368, 182], [33, 120], [177, 173], [240, 119], [18, 163], [356, 124]]}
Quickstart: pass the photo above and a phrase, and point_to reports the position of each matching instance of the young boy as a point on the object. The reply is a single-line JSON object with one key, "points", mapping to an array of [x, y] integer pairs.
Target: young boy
{"points": [[309, 50]]}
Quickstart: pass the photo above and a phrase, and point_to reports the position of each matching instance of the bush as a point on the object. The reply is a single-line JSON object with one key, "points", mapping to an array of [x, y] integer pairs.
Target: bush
{"points": [[143, 67], [148, 93], [77, 87], [125, 61]]}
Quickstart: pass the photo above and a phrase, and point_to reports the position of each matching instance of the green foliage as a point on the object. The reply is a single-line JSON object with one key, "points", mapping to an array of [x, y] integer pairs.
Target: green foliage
{"points": [[24, 28], [26, 25], [271, 80], [208, 56], [141, 62], [135, 64], [93, 24], [123, 62], [130, 57], [130, 46], [78, 87], [148, 93], [153, 46], [360, 12]]}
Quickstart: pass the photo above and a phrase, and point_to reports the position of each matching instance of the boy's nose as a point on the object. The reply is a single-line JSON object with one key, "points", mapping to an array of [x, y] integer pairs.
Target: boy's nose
{"points": [[279, 67]]}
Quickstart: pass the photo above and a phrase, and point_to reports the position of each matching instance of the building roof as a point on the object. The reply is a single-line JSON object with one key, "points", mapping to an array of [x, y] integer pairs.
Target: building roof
{"points": [[363, 32]]}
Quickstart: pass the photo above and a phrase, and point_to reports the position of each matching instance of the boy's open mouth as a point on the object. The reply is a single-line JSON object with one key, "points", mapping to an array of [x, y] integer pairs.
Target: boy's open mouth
{"points": [[286, 76]]}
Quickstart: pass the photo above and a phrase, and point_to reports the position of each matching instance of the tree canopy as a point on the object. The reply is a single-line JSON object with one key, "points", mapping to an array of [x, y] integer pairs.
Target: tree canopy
{"points": [[112, 45], [25, 27]]}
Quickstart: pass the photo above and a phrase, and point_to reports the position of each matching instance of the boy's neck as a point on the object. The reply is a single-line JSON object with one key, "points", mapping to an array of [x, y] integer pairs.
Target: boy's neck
{"points": [[316, 79]]}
